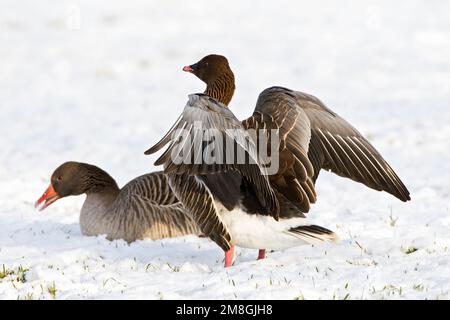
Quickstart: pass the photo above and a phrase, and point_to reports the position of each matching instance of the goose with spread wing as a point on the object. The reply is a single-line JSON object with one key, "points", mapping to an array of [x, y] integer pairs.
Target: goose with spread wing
{"points": [[312, 138], [307, 125]]}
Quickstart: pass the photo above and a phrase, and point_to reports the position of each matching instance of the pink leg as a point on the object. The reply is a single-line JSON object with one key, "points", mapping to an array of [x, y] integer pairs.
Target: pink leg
{"points": [[229, 255], [261, 254]]}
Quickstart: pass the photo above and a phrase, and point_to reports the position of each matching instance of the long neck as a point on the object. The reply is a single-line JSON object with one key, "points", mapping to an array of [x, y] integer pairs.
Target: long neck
{"points": [[98, 181], [222, 88], [101, 191]]}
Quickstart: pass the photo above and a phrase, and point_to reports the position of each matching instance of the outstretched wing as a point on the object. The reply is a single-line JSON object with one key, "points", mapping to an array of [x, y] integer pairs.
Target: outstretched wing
{"points": [[337, 146], [312, 137], [208, 127]]}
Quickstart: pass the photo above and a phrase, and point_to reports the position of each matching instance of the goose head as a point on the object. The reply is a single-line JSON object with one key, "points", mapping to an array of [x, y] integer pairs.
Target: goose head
{"points": [[72, 179], [209, 68], [215, 71]]}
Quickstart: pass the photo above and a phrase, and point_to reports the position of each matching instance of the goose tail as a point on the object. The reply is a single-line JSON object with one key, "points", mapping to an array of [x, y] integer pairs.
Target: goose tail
{"points": [[314, 234]]}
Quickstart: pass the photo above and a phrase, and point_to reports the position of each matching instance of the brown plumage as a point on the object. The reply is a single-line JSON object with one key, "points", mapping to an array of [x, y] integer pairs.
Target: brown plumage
{"points": [[312, 137], [233, 201], [145, 207], [237, 205]]}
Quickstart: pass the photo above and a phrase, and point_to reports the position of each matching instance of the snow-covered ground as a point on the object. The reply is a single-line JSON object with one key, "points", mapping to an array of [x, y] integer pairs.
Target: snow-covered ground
{"points": [[100, 81]]}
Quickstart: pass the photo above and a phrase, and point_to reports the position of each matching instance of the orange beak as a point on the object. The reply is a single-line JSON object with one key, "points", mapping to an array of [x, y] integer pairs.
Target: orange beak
{"points": [[49, 196]]}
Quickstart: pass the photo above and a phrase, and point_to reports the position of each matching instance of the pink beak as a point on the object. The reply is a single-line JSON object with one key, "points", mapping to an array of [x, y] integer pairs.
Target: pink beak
{"points": [[188, 69]]}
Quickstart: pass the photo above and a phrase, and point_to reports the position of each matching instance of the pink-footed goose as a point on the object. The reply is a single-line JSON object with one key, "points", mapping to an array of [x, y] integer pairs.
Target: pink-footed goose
{"points": [[144, 208], [234, 205]]}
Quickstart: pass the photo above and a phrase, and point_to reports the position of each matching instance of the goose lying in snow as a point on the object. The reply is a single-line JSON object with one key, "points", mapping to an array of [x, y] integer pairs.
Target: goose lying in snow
{"points": [[144, 208], [236, 204]]}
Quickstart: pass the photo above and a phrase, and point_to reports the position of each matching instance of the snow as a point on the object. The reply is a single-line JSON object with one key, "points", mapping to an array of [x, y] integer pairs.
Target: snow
{"points": [[102, 86]]}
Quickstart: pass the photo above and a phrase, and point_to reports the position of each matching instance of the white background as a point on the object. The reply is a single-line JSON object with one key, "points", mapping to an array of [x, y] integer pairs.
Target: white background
{"points": [[100, 82]]}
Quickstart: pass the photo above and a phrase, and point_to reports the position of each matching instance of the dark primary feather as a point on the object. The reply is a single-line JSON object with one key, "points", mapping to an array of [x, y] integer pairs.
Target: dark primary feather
{"points": [[312, 137], [337, 146]]}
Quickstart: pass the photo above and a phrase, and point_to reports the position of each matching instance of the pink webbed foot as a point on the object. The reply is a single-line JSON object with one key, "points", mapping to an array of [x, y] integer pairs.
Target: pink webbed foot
{"points": [[229, 256]]}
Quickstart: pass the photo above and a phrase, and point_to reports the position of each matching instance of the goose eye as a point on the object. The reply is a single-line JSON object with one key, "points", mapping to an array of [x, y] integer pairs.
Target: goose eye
{"points": [[59, 178]]}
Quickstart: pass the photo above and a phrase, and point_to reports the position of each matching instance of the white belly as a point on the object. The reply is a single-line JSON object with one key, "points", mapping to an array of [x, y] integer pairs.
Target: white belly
{"points": [[261, 232]]}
